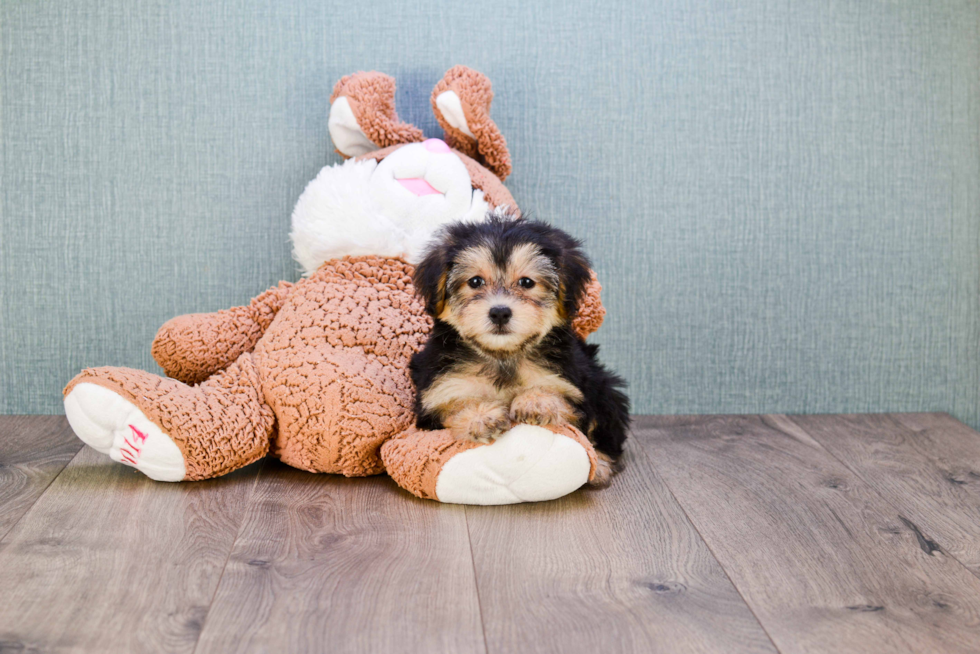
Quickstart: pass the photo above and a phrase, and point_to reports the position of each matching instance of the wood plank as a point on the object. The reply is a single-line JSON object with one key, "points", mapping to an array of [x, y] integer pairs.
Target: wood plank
{"points": [[325, 563], [613, 570], [927, 465], [108, 560], [826, 564], [33, 450]]}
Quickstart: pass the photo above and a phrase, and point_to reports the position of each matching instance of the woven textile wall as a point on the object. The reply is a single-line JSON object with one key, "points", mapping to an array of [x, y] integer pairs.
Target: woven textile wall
{"points": [[782, 199]]}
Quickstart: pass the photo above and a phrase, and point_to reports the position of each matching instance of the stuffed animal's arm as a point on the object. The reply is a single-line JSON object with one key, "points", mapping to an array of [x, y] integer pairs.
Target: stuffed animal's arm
{"points": [[193, 347], [590, 310]]}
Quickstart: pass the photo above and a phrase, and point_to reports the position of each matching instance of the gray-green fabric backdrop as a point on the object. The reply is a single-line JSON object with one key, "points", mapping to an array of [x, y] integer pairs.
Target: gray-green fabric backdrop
{"points": [[782, 198]]}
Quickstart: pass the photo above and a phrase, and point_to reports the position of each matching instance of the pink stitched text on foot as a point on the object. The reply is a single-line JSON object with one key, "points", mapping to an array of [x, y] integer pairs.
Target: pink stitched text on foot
{"points": [[131, 453]]}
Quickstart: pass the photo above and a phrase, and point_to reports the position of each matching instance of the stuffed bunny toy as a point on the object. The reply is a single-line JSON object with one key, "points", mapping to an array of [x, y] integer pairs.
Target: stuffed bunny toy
{"points": [[315, 372]]}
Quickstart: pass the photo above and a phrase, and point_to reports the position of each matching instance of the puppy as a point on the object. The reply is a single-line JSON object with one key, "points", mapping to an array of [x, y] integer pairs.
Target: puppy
{"points": [[503, 294]]}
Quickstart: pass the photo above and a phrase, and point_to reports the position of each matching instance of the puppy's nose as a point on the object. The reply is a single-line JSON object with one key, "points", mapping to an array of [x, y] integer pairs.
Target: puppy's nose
{"points": [[500, 315]]}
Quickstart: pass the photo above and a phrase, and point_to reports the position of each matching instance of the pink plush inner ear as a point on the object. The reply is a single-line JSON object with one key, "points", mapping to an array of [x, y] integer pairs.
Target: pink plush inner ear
{"points": [[418, 186], [437, 146]]}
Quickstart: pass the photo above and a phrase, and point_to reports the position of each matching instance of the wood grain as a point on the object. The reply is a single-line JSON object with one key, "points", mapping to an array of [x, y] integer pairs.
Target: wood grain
{"points": [[33, 450], [925, 464], [840, 533], [109, 561], [613, 570], [325, 563], [824, 562]]}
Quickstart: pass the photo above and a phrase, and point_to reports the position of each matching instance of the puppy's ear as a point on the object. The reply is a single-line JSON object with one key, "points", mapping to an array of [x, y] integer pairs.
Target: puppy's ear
{"points": [[429, 279], [575, 274]]}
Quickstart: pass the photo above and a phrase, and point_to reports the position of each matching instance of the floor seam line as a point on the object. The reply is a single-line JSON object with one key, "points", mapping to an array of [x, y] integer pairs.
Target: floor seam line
{"points": [[231, 549], [476, 580], [670, 490]]}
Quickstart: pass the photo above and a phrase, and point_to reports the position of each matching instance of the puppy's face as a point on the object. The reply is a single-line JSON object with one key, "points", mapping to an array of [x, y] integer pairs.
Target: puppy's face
{"points": [[502, 298], [502, 284]]}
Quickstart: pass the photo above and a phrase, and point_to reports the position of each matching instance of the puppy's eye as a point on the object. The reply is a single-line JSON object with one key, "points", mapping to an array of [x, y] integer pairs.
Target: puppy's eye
{"points": [[525, 282], [475, 282]]}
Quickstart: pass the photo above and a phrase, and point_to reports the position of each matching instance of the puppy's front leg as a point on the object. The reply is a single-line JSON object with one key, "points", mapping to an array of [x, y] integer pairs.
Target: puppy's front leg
{"points": [[539, 406], [478, 421]]}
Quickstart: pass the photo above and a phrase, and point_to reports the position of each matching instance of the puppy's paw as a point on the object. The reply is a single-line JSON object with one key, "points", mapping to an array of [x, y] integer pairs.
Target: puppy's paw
{"points": [[481, 423], [605, 468], [539, 407]]}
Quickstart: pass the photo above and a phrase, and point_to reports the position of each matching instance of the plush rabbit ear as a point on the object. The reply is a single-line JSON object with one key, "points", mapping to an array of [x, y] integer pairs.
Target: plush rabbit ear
{"points": [[461, 102], [363, 118]]}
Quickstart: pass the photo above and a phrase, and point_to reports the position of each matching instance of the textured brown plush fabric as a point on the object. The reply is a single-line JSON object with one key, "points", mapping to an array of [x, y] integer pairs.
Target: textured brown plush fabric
{"points": [[415, 458], [193, 347], [372, 99], [591, 313], [219, 426], [335, 364], [328, 381], [475, 94]]}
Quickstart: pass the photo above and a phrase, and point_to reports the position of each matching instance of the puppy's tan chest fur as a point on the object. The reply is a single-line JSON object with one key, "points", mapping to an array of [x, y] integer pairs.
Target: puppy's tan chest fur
{"points": [[476, 381]]}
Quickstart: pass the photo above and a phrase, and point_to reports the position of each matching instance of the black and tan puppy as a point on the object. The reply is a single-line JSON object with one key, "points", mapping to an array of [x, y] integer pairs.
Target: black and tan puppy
{"points": [[503, 294]]}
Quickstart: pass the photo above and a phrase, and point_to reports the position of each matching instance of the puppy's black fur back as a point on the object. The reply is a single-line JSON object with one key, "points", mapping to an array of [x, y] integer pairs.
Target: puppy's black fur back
{"points": [[604, 407]]}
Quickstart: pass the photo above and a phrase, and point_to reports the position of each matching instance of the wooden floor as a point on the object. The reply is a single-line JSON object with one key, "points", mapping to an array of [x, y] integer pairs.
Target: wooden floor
{"points": [[725, 534]]}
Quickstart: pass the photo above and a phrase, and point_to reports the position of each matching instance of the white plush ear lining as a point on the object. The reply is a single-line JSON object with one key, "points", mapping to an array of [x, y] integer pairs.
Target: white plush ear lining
{"points": [[451, 108], [345, 133]]}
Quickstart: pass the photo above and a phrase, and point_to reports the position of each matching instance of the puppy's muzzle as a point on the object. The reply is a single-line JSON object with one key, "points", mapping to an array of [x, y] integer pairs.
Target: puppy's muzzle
{"points": [[500, 315]]}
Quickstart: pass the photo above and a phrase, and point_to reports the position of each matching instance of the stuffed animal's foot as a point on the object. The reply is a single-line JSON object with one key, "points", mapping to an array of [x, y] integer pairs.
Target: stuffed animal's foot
{"points": [[112, 425], [526, 464], [168, 430]]}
